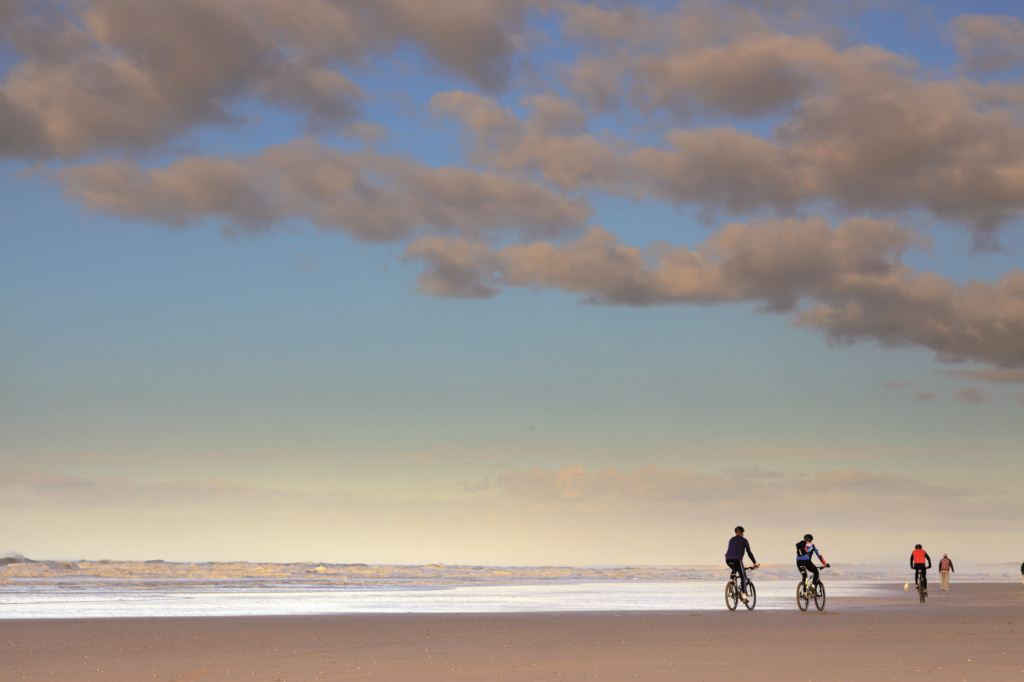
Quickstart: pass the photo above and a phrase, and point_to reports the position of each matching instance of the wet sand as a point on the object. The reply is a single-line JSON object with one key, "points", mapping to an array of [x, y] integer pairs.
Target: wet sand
{"points": [[974, 632]]}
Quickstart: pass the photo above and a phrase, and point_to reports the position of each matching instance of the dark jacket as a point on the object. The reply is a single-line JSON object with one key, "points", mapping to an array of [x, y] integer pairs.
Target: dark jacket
{"points": [[737, 546]]}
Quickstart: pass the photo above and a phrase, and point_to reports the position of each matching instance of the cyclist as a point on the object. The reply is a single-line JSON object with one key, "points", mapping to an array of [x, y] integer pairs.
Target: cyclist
{"points": [[738, 545], [918, 559], [805, 551]]}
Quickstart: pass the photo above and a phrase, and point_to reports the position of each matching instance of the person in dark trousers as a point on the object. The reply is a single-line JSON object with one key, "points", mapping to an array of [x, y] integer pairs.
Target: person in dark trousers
{"points": [[945, 568], [738, 545], [805, 551], [918, 559]]}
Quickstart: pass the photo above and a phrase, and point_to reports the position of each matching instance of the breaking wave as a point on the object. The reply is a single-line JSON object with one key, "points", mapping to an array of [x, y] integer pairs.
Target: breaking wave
{"points": [[147, 574]]}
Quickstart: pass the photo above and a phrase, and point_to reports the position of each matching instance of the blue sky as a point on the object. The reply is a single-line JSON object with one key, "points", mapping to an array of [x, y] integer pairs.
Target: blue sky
{"points": [[299, 362]]}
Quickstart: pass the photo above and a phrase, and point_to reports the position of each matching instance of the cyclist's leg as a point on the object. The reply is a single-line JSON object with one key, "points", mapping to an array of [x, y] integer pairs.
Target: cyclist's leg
{"points": [[814, 571]]}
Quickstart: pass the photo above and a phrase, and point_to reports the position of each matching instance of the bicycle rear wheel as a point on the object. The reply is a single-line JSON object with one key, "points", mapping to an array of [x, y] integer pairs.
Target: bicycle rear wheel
{"points": [[819, 596], [732, 597], [751, 596], [802, 600]]}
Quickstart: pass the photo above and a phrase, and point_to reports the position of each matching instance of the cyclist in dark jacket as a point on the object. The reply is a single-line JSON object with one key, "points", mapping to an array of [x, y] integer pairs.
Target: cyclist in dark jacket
{"points": [[738, 545]]}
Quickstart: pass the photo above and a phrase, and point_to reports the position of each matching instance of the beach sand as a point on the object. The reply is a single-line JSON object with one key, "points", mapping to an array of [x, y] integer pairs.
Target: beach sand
{"points": [[973, 632]]}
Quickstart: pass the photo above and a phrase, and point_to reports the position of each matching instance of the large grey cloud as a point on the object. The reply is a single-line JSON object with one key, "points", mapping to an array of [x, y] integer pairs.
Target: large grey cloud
{"points": [[102, 74], [849, 282], [860, 127], [872, 144], [371, 196]]}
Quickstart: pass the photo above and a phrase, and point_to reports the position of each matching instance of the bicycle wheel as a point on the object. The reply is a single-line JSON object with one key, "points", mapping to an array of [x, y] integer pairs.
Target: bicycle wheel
{"points": [[732, 597], [819, 597], [802, 600], [922, 592], [751, 596]]}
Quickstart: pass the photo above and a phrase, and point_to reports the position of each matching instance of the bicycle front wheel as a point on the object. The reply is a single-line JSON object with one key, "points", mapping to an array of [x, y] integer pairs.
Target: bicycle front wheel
{"points": [[751, 596], [819, 597], [732, 597], [802, 600]]}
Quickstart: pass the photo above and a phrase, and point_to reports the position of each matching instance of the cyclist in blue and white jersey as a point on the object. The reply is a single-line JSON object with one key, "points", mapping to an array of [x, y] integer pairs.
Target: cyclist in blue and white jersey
{"points": [[805, 553]]}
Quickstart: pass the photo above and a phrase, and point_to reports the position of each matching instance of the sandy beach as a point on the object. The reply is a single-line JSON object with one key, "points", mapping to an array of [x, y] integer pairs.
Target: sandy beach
{"points": [[974, 632]]}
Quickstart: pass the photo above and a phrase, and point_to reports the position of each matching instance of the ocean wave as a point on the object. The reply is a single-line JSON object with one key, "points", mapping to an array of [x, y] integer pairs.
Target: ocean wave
{"points": [[241, 574]]}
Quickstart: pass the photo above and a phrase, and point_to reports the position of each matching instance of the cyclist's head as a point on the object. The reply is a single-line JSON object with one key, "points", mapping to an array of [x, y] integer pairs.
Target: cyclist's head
{"points": [[808, 536], [739, 530], [918, 547]]}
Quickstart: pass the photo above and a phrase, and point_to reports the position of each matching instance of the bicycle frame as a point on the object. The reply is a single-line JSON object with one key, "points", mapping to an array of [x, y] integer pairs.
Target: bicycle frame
{"points": [[733, 591]]}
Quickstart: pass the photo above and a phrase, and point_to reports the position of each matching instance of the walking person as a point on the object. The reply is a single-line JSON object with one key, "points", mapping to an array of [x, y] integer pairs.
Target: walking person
{"points": [[945, 568]]}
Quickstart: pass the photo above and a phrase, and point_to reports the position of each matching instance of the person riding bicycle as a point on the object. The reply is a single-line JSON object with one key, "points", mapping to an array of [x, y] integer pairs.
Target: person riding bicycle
{"points": [[805, 552], [734, 558], [918, 560]]}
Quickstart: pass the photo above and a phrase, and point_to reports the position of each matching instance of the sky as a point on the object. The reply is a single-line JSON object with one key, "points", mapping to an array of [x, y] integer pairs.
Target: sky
{"points": [[511, 281]]}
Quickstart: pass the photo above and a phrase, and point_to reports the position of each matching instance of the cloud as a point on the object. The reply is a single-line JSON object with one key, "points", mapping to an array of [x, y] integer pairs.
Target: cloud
{"points": [[105, 74], [860, 129], [371, 196], [989, 43], [921, 395], [551, 142], [847, 281], [649, 483], [836, 493], [971, 396], [724, 169], [48, 488], [995, 374], [752, 76], [574, 515]]}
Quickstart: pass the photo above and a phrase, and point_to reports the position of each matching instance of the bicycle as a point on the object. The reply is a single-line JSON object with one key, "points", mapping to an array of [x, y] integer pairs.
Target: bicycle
{"points": [[806, 590], [733, 591], [922, 591]]}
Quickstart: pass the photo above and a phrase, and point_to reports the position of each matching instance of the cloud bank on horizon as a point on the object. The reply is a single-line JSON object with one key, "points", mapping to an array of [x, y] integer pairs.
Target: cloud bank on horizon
{"points": [[824, 157], [479, 520]]}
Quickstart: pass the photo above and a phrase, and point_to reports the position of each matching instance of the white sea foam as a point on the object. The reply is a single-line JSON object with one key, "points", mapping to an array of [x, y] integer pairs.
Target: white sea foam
{"points": [[83, 589], [36, 602]]}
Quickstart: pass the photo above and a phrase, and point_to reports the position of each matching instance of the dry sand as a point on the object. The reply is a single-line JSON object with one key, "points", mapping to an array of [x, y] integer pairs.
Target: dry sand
{"points": [[974, 632]]}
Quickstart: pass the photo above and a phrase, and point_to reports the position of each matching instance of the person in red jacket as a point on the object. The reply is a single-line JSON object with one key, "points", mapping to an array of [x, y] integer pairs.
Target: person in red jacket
{"points": [[920, 562]]}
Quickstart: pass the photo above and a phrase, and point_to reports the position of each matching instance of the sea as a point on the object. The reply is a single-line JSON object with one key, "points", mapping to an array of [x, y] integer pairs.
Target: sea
{"points": [[103, 589]]}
